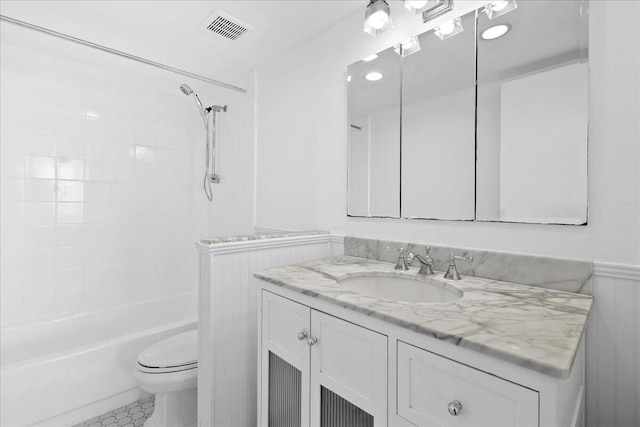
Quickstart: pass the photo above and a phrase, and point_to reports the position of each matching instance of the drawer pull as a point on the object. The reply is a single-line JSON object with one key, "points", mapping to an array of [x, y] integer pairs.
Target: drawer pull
{"points": [[454, 408], [302, 335], [311, 341]]}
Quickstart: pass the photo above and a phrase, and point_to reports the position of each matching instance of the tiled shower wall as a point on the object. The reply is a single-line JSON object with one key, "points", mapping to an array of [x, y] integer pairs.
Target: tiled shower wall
{"points": [[101, 188]]}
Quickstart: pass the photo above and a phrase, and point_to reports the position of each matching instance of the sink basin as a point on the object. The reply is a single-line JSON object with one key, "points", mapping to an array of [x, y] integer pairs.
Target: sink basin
{"points": [[399, 289]]}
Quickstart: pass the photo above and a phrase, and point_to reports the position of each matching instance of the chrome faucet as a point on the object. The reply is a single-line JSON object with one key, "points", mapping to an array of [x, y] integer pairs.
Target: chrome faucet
{"points": [[452, 271], [401, 262], [426, 262]]}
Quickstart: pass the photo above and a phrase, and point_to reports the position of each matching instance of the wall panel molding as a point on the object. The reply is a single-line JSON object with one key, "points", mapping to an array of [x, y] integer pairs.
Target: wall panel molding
{"points": [[618, 271], [228, 320], [613, 347]]}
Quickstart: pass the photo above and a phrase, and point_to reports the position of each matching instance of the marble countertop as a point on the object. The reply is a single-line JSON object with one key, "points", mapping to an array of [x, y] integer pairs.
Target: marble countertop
{"points": [[260, 236], [530, 326]]}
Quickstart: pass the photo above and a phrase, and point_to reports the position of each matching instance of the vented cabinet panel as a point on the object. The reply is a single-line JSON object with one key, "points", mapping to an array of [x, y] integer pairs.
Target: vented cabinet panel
{"points": [[285, 363], [285, 393], [338, 412]]}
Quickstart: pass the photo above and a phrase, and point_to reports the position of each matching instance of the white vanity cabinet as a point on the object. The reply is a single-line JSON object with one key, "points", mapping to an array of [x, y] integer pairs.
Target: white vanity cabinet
{"points": [[326, 365], [436, 391], [319, 370]]}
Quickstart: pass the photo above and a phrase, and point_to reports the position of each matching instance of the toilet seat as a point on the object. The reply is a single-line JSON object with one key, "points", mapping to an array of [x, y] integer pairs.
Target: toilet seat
{"points": [[154, 370], [174, 354]]}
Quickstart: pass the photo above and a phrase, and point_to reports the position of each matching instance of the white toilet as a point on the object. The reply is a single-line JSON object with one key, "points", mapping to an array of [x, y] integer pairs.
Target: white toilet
{"points": [[169, 369]]}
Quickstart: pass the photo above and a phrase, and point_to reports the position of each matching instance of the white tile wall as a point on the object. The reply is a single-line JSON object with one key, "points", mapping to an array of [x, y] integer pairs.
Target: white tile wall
{"points": [[101, 179]]}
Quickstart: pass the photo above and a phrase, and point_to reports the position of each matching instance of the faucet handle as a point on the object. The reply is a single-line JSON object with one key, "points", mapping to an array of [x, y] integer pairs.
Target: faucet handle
{"points": [[453, 257], [452, 271], [401, 263]]}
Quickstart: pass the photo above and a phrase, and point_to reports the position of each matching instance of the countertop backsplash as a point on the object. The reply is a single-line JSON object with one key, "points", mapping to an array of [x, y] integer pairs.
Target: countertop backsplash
{"points": [[560, 274]]}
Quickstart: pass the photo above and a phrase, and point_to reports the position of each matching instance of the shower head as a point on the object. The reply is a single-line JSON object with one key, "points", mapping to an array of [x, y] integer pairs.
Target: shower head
{"points": [[186, 89]]}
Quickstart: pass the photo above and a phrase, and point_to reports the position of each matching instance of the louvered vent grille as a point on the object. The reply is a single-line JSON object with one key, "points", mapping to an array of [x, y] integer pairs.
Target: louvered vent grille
{"points": [[225, 25]]}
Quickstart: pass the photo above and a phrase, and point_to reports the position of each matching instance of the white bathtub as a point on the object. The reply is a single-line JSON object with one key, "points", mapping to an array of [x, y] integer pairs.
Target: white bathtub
{"points": [[68, 370]]}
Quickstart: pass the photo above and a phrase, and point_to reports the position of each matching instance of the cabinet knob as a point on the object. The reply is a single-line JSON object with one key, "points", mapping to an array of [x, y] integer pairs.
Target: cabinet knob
{"points": [[302, 335], [454, 408], [311, 341]]}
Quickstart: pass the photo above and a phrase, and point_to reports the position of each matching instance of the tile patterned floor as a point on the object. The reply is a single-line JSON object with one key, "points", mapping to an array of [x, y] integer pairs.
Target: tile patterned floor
{"points": [[132, 415]]}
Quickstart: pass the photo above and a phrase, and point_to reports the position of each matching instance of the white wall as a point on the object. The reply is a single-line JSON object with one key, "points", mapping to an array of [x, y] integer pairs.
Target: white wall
{"points": [[101, 188], [302, 149]]}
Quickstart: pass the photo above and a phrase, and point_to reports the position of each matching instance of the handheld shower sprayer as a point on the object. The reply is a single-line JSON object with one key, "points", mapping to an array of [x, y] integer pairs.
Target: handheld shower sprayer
{"points": [[186, 89], [210, 175]]}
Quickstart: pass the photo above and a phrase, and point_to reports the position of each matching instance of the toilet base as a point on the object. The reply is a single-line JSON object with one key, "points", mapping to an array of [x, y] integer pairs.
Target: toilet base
{"points": [[179, 409]]}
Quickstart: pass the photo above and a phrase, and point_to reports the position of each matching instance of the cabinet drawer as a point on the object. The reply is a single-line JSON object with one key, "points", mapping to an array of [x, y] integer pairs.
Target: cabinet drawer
{"points": [[427, 383]]}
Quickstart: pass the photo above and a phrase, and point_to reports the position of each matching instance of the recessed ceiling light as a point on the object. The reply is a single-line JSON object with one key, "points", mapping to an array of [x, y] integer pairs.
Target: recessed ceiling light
{"points": [[373, 76], [495, 32], [370, 58]]}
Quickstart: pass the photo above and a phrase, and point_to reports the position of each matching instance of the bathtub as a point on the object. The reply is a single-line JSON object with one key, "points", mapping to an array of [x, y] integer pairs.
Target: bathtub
{"points": [[68, 370]]}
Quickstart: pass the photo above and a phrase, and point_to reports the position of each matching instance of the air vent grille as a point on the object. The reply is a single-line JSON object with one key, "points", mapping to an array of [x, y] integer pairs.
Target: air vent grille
{"points": [[226, 26]]}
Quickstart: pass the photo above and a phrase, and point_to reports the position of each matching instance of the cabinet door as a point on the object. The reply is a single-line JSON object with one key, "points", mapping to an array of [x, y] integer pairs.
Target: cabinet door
{"points": [[285, 362], [348, 374], [427, 383]]}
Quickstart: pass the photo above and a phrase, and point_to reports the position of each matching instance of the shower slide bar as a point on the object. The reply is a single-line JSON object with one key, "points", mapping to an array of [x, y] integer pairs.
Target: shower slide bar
{"points": [[119, 53]]}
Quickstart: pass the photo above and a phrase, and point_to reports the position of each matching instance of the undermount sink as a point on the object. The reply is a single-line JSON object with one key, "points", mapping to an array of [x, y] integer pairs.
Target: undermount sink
{"points": [[399, 289]]}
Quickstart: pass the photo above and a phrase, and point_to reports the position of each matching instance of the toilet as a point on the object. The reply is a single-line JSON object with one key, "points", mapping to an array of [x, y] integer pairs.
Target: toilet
{"points": [[169, 369]]}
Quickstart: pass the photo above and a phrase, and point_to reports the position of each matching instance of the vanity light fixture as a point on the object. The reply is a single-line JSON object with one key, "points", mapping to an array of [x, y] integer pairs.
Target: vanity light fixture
{"points": [[408, 47], [499, 8], [377, 18], [374, 76], [495, 32], [449, 28], [370, 58], [415, 6]]}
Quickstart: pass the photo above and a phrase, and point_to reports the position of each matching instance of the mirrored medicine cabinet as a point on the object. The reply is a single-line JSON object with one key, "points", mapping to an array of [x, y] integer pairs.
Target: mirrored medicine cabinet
{"points": [[476, 129]]}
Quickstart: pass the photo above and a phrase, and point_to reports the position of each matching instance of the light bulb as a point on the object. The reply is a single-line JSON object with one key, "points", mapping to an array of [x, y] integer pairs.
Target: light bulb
{"points": [[378, 20], [373, 76], [447, 27], [417, 4]]}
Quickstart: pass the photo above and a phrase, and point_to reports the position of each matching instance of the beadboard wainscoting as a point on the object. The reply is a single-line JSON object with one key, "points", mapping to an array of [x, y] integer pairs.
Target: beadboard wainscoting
{"points": [[228, 307], [613, 347]]}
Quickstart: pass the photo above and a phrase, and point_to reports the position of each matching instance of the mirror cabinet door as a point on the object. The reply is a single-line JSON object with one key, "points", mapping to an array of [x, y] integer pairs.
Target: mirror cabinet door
{"points": [[438, 127], [532, 115], [374, 136]]}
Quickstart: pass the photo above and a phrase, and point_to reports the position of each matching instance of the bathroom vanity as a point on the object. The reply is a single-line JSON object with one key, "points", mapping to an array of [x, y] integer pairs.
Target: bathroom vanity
{"points": [[337, 349]]}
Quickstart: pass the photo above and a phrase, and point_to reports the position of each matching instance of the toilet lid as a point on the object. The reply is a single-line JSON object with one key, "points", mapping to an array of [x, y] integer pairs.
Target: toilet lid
{"points": [[175, 351]]}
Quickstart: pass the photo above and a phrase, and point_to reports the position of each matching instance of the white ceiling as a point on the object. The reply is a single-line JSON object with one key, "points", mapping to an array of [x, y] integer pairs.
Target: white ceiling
{"points": [[169, 32]]}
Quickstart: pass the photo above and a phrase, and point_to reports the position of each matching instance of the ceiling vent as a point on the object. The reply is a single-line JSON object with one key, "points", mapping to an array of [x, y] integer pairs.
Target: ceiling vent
{"points": [[224, 25]]}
